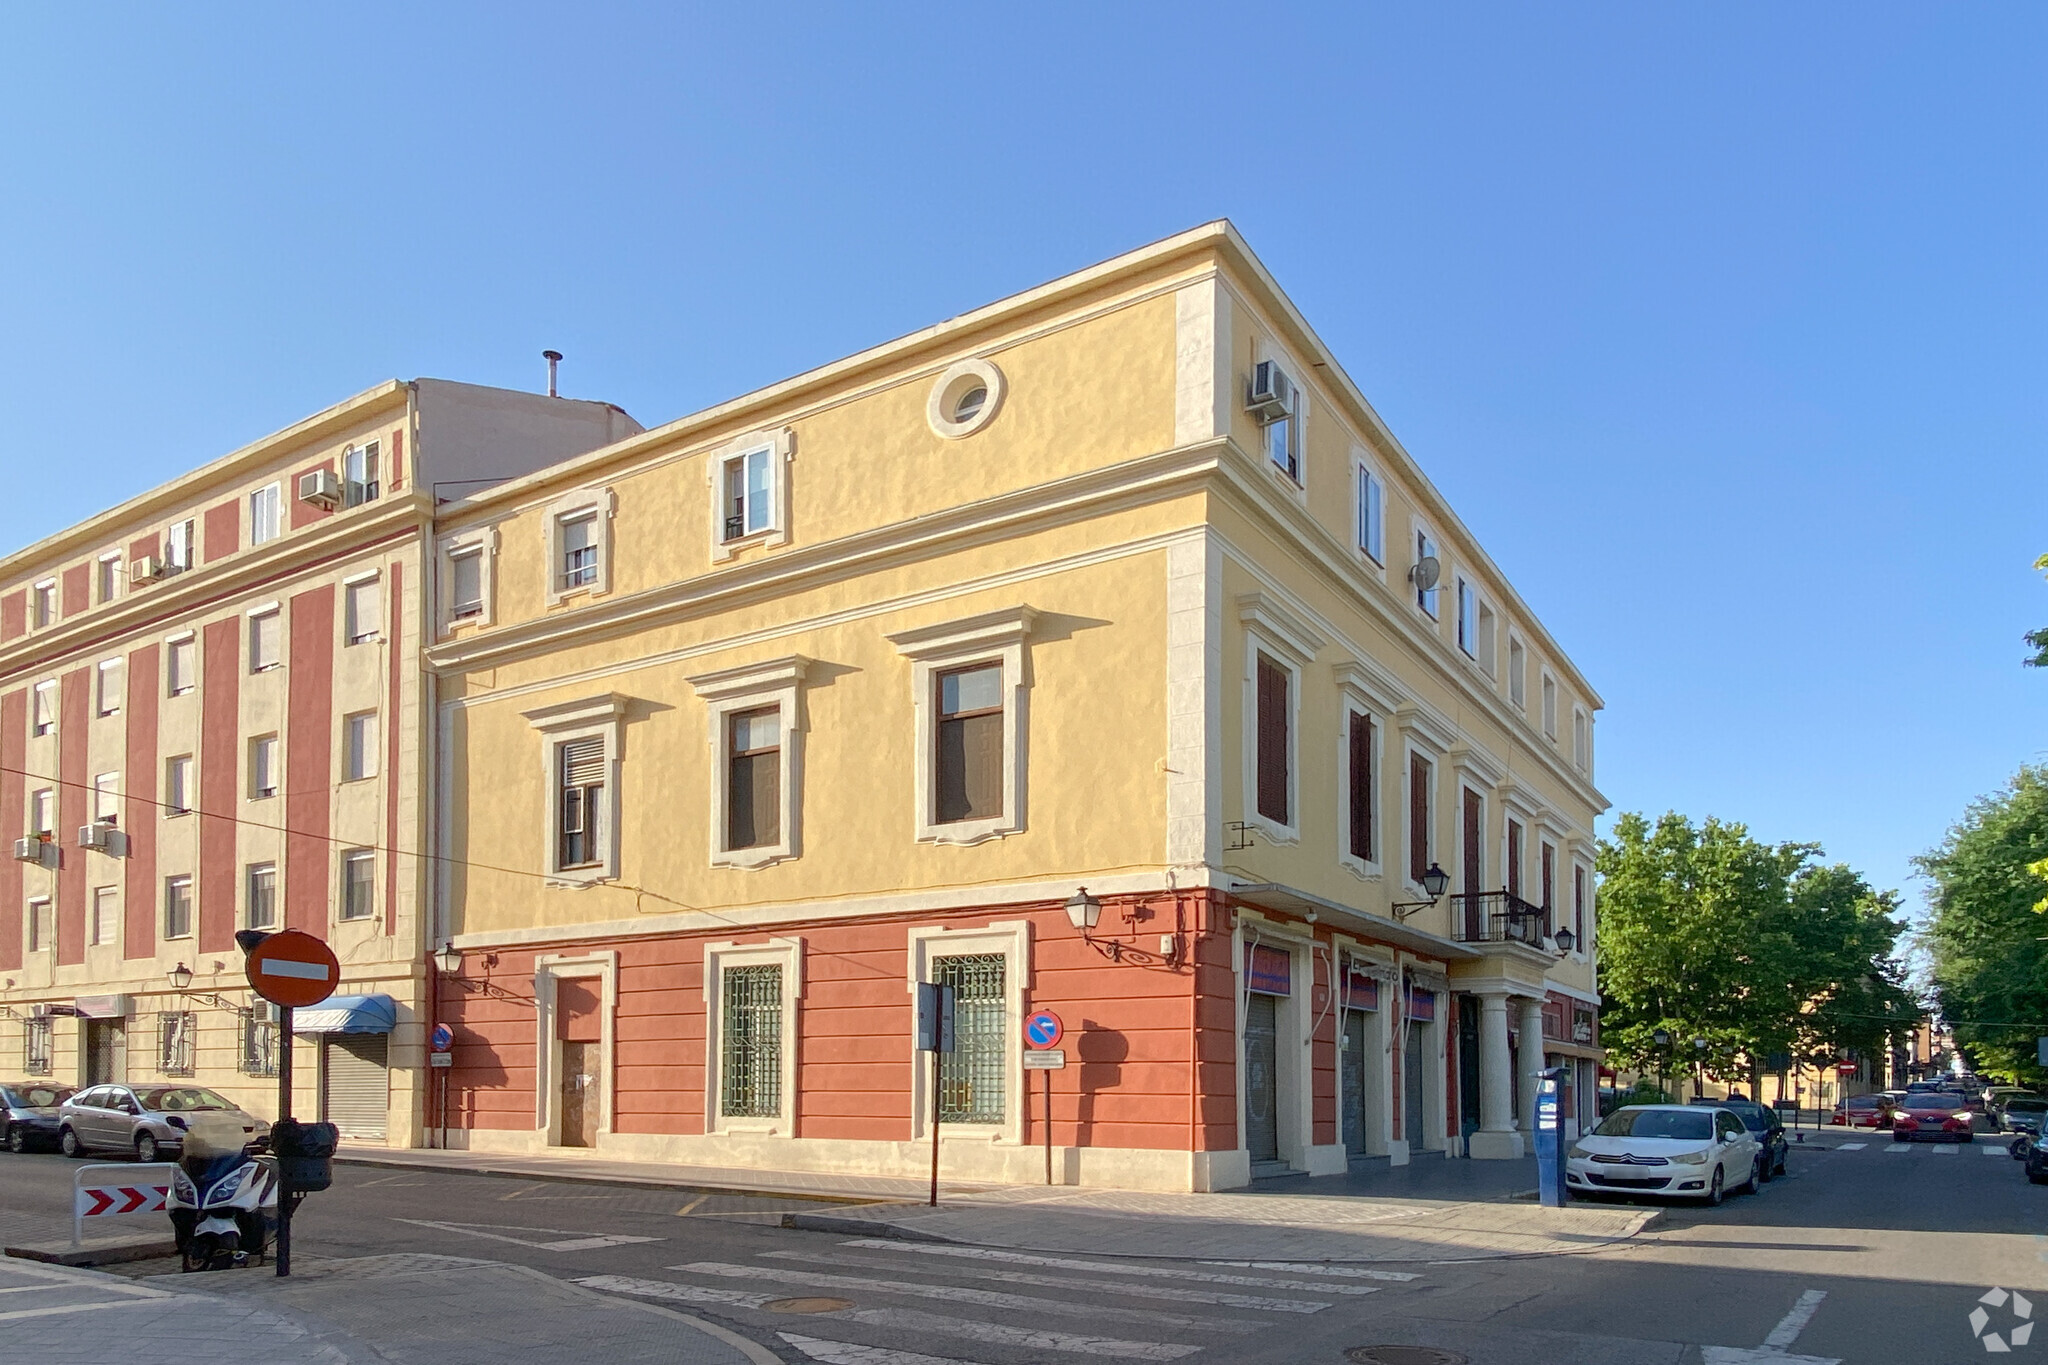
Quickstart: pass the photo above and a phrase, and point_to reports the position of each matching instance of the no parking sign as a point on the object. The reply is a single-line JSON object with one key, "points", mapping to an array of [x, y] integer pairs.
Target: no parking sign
{"points": [[1043, 1030]]}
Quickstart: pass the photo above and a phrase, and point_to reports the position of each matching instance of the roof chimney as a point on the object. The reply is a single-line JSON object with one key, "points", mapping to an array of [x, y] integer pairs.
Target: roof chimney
{"points": [[553, 358]]}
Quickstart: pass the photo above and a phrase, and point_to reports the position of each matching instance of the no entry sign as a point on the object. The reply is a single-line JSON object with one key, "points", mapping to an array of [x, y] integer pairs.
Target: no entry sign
{"points": [[1043, 1030], [293, 968]]}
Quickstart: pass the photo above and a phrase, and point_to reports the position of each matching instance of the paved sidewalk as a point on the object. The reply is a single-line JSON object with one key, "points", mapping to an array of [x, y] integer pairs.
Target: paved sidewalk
{"points": [[54, 1315], [850, 1189]]}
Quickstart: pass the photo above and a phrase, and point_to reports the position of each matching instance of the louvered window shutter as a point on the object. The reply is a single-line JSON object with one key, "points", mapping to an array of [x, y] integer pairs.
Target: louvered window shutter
{"points": [[583, 762]]}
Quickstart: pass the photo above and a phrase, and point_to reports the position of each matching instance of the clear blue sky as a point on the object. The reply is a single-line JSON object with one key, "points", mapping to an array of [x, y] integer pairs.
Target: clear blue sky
{"points": [[1723, 329]]}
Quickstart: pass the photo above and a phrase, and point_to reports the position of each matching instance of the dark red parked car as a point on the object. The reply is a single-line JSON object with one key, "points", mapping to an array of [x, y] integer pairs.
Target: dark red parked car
{"points": [[1864, 1111]]}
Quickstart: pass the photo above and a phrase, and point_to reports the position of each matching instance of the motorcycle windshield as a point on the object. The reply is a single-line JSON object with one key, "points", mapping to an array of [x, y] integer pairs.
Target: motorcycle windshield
{"points": [[213, 1146]]}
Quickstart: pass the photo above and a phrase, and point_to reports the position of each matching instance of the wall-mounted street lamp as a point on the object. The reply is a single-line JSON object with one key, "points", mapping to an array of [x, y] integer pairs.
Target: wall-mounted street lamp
{"points": [[1565, 940], [1435, 882], [181, 977], [1084, 911], [448, 959]]}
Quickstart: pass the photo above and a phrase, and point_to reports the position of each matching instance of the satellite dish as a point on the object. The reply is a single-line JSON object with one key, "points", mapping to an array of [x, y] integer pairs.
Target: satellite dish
{"points": [[1425, 573]]}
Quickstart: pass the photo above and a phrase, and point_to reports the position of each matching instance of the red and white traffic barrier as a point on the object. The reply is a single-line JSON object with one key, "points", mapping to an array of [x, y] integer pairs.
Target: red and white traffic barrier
{"points": [[107, 1190]]}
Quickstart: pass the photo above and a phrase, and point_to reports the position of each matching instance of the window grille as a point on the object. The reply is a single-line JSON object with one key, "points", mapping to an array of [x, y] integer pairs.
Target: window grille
{"points": [[973, 1077], [36, 1048], [259, 1042], [750, 1064], [174, 1044]]}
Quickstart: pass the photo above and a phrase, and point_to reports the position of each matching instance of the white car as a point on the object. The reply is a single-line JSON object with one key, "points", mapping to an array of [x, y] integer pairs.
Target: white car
{"points": [[1690, 1151]]}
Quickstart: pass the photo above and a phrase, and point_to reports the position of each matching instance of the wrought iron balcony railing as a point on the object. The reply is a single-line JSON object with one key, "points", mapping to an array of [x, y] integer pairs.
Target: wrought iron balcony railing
{"points": [[1498, 917]]}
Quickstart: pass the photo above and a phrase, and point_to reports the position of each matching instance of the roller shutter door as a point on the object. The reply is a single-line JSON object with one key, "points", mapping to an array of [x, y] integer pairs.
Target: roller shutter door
{"points": [[358, 1088]]}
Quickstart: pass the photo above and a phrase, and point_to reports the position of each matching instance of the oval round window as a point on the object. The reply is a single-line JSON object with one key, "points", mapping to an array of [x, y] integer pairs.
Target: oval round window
{"points": [[968, 406]]}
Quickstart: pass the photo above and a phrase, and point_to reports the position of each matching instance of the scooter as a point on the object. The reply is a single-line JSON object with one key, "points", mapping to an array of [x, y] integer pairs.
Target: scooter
{"points": [[223, 1202]]}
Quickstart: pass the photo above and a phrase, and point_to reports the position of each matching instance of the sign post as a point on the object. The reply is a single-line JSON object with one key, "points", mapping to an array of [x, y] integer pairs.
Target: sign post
{"points": [[1042, 1034], [935, 1035], [1549, 1139], [292, 970]]}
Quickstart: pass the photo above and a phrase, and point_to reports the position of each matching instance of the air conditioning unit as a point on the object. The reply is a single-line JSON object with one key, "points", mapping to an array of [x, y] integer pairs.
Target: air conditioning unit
{"points": [[31, 850], [147, 569], [1272, 394], [320, 488], [103, 837]]}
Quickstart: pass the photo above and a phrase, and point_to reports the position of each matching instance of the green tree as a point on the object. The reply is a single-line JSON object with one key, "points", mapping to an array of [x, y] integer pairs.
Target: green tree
{"points": [[1745, 947], [1990, 970]]}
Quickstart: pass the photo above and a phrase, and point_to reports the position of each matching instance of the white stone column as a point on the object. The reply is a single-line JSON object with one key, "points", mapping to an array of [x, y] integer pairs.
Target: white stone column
{"points": [[1528, 1061], [1496, 1139]]}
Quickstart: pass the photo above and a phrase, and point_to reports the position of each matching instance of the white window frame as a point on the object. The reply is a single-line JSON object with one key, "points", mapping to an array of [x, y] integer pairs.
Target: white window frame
{"points": [[352, 632], [39, 911], [350, 725], [1360, 690], [248, 915], [749, 687], [101, 928], [344, 859], [1422, 736], [1297, 422], [178, 546], [1012, 938], [117, 669], [484, 545], [1518, 672], [266, 514], [191, 908], [106, 798], [1582, 950], [719, 958], [42, 812], [189, 641], [781, 447], [254, 789], [1548, 695], [368, 450], [1582, 739], [1430, 604], [181, 764], [256, 616], [600, 716], [107, 568], [954, 383], [1273, 630], [996, 637], [42, 604], [1468, 618], [598, 504], [45, 709], [1368, 531]]}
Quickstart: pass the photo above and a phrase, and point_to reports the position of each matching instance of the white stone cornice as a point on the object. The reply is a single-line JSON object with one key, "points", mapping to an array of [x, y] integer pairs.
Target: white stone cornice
{"points": [[786, 671], [989, 630], [597, 710], [1281, 625], [1371, 682], [1426, 726], [1474, 760]]}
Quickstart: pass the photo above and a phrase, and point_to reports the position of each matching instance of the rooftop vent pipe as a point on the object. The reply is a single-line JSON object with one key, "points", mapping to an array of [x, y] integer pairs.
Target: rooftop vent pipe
{"points": [[553, 358]]}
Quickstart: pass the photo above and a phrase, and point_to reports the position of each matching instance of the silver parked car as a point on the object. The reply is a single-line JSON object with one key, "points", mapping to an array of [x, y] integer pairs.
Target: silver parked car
{"points": [[146, 1120], [28, 1113]]}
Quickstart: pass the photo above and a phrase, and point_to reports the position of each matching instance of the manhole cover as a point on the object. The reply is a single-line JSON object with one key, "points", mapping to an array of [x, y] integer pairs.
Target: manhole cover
{"points": [[806, 1305], [1403, 1355]]}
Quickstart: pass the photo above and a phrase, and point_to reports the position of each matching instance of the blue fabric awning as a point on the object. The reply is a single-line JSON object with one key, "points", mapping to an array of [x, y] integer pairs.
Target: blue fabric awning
{"points": [[348, 1014]]}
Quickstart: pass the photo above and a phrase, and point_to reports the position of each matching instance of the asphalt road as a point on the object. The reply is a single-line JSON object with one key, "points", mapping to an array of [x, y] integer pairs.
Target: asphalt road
{"points": [[1861, 1255]]}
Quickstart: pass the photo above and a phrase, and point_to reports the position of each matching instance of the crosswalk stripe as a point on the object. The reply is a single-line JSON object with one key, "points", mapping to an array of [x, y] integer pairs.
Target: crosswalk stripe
{"points": [[1994, 1151], [1946, 1151], [987, 1298], [1105, 1267], [1899, 1147], [1216, 1298], [1024, 1338], [1853, 1146], [846, 1353], [667, 1289], [1321, 1268]]}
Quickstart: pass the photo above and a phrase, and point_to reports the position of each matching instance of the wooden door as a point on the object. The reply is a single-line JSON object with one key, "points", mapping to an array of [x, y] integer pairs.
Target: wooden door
{"points": [[580, 1098], [579, 1026], [1261, 1078]]}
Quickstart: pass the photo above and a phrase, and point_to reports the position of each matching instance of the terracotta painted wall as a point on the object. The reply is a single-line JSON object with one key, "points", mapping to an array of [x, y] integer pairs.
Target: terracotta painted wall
{"points": [[219, 780], [77, 593], [1130, 1029], [74, 694], [223, 530], [140, 813], [13, 615], [13, 821], [308, 759], [304, 513]]}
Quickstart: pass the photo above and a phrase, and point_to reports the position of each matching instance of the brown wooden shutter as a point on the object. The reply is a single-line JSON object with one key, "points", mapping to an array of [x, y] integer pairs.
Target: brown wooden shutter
{"points": [[1418, 817], [1549, 885], [1272, 734], [1475, 867], [1579, 908], [1362, 842], [1515, 856]]}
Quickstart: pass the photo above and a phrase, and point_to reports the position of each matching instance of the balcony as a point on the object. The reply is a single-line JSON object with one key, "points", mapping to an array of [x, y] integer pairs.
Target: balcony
{"points": [[1498, 917]]}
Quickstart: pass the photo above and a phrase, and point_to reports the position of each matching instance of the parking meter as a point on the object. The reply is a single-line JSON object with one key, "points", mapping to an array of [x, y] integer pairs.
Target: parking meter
{"points": [[1550, 1186]]}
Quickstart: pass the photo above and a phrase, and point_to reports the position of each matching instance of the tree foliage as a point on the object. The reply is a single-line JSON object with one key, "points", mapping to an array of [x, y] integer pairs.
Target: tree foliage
{"points": [[1990, 907], [1752, 948], [2038, 639]]}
